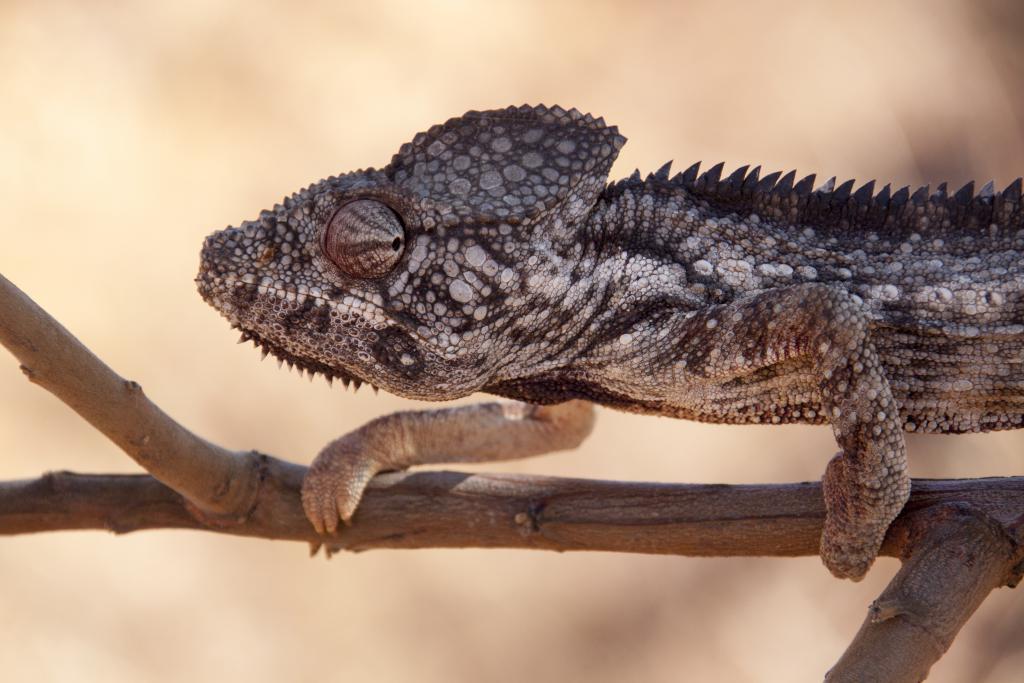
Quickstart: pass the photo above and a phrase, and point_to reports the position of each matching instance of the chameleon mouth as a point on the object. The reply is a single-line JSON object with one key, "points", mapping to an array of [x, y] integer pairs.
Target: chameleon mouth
{"points": [[231, 296], [303, 365]]}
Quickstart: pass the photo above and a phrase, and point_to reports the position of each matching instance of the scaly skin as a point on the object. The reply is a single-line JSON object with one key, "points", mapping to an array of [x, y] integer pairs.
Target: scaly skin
{"points": [[491, 255]]}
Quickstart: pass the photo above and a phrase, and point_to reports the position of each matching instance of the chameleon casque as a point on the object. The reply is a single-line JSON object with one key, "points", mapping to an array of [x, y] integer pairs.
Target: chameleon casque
{"points": [[492, 255]]}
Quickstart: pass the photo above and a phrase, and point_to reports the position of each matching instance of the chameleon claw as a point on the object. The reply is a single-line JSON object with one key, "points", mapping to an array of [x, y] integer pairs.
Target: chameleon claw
{"points": [[330, 520], [346, 508]]}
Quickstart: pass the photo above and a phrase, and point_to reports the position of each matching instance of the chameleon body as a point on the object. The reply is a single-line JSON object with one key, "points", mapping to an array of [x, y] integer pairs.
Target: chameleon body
{"points": [[492, 255]]}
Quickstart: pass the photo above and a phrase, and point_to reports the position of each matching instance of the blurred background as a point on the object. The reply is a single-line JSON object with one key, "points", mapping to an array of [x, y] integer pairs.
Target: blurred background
{"points": [[130, 131]]}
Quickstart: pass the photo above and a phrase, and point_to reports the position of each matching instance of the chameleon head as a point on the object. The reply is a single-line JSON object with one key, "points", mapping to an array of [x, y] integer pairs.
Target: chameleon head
{"points": [[412, 277]]}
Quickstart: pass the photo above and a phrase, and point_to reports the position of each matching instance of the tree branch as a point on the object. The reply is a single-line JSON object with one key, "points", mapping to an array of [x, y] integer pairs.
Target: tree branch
{"points": [[955, 555], [456, 510]]}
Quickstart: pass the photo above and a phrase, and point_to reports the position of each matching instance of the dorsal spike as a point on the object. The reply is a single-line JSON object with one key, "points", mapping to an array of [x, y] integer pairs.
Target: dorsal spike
{"points": [[940, 192], [662, 173], [735, 179], [842, 193], [785, 186], [920, 195], [635, 176], [988, 190], [690, 174], [1013, 190], [864, 194], [965, 193], [882, 198], [827, 186], [803, 187], [711, 176], [751, 182], [900, 196], [768, 183]]}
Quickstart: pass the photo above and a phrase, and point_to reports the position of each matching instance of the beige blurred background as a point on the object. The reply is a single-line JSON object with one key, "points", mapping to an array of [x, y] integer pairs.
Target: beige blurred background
{"points": [[128, 132]]}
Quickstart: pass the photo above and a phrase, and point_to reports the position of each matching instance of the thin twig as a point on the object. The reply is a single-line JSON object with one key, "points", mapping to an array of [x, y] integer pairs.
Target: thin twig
{"points": [[213, 478]]}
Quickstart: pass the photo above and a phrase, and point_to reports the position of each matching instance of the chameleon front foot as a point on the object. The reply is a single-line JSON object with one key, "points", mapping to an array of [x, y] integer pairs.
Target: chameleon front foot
{"points": [[336, 480]]}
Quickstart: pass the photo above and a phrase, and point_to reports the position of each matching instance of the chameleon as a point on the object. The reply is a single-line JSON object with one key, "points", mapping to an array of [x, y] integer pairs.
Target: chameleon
{"points": [[492, 254]]}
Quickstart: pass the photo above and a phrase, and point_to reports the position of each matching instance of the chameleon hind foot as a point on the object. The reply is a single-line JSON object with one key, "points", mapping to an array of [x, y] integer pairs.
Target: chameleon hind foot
{"points": [[858, 514]]}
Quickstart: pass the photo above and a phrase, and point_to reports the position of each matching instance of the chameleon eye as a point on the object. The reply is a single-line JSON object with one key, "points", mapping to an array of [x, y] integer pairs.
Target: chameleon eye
{"points": [[365, 239]]}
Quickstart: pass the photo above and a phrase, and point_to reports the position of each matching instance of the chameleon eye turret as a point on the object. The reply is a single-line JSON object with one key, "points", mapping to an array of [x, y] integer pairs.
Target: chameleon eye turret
{"points": [[365, 239]]}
